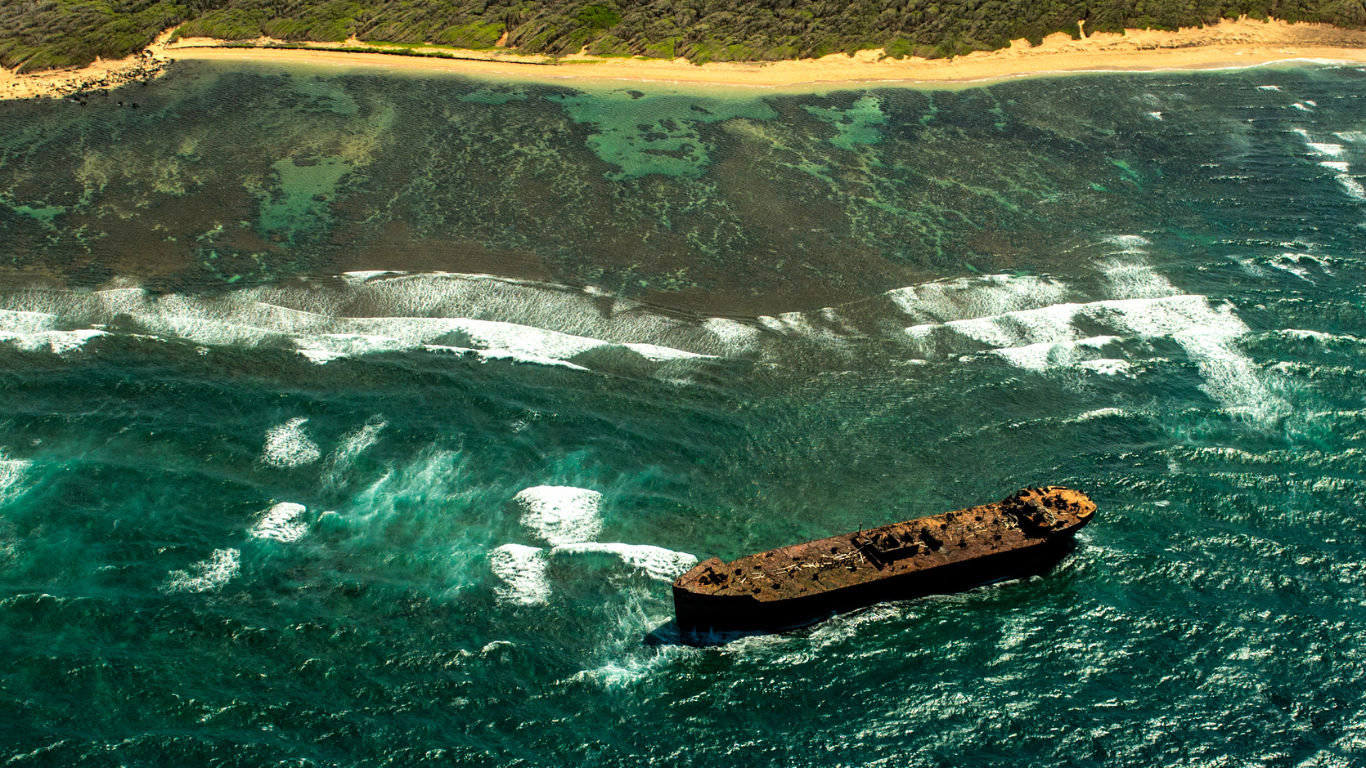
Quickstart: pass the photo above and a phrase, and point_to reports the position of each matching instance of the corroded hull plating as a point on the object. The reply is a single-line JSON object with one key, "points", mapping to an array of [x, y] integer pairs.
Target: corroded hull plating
{"points": [[945, 553]]}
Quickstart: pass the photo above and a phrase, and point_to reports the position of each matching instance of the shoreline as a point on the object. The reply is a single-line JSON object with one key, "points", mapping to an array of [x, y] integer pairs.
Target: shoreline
{"points": [[1227, 45]]}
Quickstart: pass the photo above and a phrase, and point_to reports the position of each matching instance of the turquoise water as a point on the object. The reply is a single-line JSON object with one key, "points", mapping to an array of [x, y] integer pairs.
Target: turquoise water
{"points": [[356, 419]]}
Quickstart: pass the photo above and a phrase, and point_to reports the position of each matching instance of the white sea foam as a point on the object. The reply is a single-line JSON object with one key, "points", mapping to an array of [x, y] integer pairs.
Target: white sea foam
{"points": [[288, 446], [1352, 187], [1349, 184], [352, 445], [968, 298], [1230, 377], [735, 337], [34, 331], [1155, 115], [1105, 366], [1268, 87], [1099, 413], [281, 523], [12, 472], [823, 327], [206, 575], [522, 570], [1324, 150], [657, 562], [1131, 278], [1352, 137], [1327, 339], [1129, 243], [1300, 107], [378, 312], [1039, 357], [561, 514], [1049, 337]]}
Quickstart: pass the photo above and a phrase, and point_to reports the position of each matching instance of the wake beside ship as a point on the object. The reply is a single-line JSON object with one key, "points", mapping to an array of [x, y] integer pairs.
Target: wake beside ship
{"points": [[796, 585]]}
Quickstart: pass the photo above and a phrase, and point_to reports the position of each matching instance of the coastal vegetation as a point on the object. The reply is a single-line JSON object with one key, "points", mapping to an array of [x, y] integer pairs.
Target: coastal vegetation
{"points": [[45, 34]]}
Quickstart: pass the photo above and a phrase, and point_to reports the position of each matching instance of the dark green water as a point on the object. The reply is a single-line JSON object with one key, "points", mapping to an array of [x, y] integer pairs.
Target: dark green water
{"points": [[283, 483]]}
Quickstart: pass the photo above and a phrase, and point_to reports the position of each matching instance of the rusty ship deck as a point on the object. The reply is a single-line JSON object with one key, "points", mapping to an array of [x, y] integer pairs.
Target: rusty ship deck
{"points": [[957, 550]]}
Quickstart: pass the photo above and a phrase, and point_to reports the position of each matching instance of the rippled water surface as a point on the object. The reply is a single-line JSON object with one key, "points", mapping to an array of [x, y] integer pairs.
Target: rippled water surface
{"points": [[363, 419]]}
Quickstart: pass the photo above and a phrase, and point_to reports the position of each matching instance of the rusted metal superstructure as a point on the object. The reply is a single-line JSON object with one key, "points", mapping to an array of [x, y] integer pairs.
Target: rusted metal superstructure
{"points": [[953, 551]]}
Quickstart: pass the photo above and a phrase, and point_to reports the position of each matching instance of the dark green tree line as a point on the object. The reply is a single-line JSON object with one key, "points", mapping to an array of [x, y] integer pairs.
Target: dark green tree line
{"points": [[41, 34]]}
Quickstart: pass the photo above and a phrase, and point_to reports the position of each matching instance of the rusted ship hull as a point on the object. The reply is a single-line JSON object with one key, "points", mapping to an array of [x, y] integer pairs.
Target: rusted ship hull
{"points": [[959, 550], [703, 614]]}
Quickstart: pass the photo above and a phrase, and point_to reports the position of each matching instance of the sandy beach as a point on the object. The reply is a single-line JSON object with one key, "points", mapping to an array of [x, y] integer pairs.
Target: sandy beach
{"points": [[1230, 44]]}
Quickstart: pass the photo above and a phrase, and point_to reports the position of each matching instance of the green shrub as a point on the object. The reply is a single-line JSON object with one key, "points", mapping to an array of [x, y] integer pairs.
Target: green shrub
{"points": [[39, 34], [598, 17], [226, 24], [477, 35]]}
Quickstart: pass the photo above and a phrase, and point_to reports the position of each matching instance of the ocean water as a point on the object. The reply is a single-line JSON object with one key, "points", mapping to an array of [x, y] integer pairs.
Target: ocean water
{"points": [[360, 419]]}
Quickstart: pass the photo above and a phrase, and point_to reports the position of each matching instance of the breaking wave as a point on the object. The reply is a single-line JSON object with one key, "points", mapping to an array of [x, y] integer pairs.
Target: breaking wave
{"points": [[289, 446], [522, 570], [366, 313], [561, 514], [207, 575], [657, 562], [281, 523]]}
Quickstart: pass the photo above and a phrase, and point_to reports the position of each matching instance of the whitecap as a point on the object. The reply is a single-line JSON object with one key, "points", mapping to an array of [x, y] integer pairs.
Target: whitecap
{"points": [[57, 342], [12, 472], [522, 570], [735, 337], [1129, 278], [1106, 366], [1352, 187], [659, 563], [1129, 243], [373, 312], [353, 444], [966, 298], [1327, 339], [1045, 355], [1268, 87], [281, 523], [288, 446], [206, 575], [561, 514], [1099, 413], [1324, 150]]}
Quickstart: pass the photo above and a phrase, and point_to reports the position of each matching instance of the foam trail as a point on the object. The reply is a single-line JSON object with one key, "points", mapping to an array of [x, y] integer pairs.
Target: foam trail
{"points": [[353, 444], [659, 563], [522, 571], [735, 337], [1045, 355], [1350, 185], [36, 331], [494, 318], [206, 575], [288, 446], [12, 472], [561, 514], [281, 523], [1052, 336], [1130, 277], [976, 297]]}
